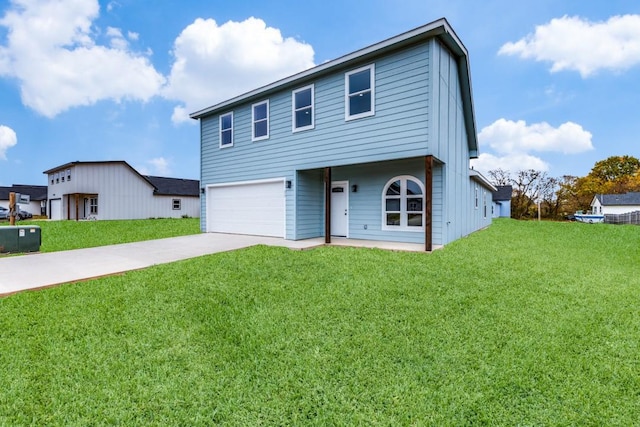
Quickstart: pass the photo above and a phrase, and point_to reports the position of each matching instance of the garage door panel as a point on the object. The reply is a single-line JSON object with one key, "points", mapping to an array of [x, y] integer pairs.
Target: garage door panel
{"points": [[257, 208]]}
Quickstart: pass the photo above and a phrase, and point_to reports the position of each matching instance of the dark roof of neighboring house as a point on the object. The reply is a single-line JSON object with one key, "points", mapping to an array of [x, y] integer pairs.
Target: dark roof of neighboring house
{"points": [[162, 186], [174, 186], [504, 193], [35, 192], [619, 199]]}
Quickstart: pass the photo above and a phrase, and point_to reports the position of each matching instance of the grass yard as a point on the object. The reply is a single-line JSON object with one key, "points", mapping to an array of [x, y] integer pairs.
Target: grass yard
{"points": [[66, 235], [524, 323]]}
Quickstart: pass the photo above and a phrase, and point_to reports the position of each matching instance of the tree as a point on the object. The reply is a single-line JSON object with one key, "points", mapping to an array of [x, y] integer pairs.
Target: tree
{"points": [[527, 188], [615, 168], [500, 177]]}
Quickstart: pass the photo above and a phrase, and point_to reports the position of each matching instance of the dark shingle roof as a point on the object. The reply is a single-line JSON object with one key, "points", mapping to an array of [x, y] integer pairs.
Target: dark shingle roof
{"points": [[619, 199], [503, 193], [174, 186], [36, 192]]}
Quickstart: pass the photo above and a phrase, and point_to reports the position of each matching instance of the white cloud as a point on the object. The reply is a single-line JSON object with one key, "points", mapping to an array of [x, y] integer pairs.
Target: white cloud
{"points": [[216, 62], [508, 137], [511, 162], [573, 43], [513, 143], [160, 166], [51, 51], [8, 139]]}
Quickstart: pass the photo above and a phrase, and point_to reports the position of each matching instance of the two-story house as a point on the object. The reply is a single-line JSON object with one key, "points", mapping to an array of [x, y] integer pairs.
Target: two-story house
{"points": [[115, 190], [373, 145]]}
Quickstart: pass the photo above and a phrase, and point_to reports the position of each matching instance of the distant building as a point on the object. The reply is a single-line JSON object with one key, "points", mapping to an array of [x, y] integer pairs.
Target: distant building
{"points": [[501, 206], [115, 190], [37, 195], [615, 203]]}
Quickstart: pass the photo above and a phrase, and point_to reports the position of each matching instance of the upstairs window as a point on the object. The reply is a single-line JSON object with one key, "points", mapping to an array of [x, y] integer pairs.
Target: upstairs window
{"points": [[226, 130], [260, 119], [68, 174], [359, 93], [403, 204], [303, 109]]}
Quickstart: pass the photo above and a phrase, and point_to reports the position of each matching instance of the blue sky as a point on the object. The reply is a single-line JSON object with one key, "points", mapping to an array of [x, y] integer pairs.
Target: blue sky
{"points": [[556, 83]]}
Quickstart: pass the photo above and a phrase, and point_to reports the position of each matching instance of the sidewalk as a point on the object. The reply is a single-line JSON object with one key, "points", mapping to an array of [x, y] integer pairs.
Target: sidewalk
{"points": [[32, 271], [39, 270]]}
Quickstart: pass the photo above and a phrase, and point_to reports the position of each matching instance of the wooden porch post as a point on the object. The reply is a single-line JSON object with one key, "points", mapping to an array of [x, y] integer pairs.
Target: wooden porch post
{"points": [[428, 223], [327, 205], [77, 207]]}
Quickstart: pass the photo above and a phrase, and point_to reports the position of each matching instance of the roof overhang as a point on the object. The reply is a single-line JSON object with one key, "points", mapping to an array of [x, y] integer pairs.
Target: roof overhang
{"points": [[477, 176]]}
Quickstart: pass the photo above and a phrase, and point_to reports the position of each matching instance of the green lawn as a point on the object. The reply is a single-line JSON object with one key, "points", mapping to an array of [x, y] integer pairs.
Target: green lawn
{"points": [[66, 235], [524, 323]]}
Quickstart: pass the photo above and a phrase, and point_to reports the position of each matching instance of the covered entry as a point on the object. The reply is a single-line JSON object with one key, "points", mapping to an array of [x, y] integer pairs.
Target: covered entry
{"points": [[255, 207]]}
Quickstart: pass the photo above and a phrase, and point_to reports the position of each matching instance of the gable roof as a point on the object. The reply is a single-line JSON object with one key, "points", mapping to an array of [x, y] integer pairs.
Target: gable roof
{"points": [[439, 29], [35, 192], [619, 199], [161, 186], [504, 193], [174, 186]]}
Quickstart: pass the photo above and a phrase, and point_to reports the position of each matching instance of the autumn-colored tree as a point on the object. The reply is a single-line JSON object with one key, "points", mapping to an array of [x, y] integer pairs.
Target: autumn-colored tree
{"points": [[613, 175]]}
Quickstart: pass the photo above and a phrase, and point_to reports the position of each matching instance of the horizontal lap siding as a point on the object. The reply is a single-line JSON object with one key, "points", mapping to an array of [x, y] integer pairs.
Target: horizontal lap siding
{"points": [[310, 204], [365, 205], [399, 129]]}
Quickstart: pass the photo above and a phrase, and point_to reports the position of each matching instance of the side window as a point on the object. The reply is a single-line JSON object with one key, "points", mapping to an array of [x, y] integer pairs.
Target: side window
{"points": [[403, 204], [177, 204], [260, 120], [359, 93], [476, 195], [68, 174], [93, 206], [303, 117], [226, 130]]}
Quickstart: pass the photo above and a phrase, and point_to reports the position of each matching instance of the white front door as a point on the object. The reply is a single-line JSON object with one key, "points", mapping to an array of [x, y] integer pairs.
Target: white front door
{"points": [[340, 208]]}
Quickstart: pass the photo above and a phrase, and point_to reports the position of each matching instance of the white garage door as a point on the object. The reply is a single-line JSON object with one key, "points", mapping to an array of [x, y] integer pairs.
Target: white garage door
{"points": [[56, 209], [256, 208]]}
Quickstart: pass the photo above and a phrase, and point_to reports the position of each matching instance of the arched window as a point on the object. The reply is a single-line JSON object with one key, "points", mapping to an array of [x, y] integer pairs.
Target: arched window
{"points": [[403, 204]]}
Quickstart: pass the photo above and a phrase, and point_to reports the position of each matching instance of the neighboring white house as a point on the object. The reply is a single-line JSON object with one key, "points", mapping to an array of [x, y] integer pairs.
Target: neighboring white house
{"points": [[114, 190], [615, 203], [37, 195]]}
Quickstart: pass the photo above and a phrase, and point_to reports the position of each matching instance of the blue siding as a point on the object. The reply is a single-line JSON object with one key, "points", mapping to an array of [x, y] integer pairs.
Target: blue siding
{"points": [[365, 206], [310, 204], [418, 111]]}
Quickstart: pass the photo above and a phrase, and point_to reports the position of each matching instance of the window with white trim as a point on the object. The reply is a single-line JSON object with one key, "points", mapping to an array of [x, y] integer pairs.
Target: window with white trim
{"points": [[260, 120], [226, 130], [177, 204], [68, 174], [476, 195], [359, 93], [484, 201], [403, 204], [93, 206], [302, 100]]}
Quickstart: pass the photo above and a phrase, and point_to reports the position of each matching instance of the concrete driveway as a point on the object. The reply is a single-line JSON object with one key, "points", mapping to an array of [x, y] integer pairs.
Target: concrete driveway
{"points": [[32, 271]]}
